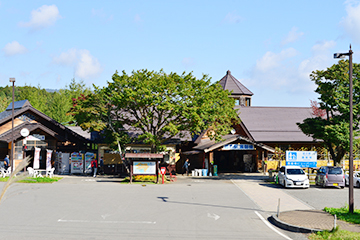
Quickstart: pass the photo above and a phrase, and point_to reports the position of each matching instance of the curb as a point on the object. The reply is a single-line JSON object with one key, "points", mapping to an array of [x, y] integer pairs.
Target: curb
{"points": [[277, 222]]}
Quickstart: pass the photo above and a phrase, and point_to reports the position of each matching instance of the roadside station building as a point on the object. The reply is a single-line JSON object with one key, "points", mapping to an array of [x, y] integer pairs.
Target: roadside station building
{"points": [[254, 140], [42, 132]]}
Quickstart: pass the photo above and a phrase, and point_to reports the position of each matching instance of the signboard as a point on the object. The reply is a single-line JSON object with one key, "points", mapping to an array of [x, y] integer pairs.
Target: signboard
{"points": [[238, 147], [48, 159], [36, 164], [146, 168], [40, 137], [301, 158]]}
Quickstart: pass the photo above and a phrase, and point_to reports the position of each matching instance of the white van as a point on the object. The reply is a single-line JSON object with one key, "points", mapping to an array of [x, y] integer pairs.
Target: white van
{"points": [[293, 177]]}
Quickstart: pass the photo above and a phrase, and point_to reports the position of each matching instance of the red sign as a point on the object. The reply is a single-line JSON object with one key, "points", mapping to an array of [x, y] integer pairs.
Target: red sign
{"points": [[163, 170]]}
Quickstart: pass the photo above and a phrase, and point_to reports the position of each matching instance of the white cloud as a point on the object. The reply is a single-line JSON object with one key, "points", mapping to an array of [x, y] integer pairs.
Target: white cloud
{"points": [[42, 17], [292, 36], [273, 60], [351, 23], [285, 72], [85, 65], [14, 48], [232, 18]]}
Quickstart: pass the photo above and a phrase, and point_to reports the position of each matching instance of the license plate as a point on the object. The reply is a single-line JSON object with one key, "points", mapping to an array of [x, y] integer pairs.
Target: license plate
{"points": [[298, 183], [335, 184]]}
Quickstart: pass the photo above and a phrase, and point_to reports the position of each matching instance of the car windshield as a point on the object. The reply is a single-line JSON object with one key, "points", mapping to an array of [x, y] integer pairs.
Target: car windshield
{"points": [[335, 170], [294, 171]]}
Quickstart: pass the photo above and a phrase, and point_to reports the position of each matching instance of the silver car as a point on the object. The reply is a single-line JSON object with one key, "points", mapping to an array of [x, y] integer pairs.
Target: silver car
{"points": [[330, 177]]}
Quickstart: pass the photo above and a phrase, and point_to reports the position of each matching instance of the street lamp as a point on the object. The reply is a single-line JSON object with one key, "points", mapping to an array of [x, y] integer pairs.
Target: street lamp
{"points": [[351, 162], [12, 127]]}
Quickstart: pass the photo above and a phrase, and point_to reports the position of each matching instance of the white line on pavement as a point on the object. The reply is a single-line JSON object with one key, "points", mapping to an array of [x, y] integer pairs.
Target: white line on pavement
{"points": [[318, 189], [271, 227], [88, 221]]}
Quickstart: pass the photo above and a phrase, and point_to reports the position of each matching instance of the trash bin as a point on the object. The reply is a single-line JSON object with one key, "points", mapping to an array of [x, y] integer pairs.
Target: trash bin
{"points": [[193, 173], [204, 172], [215, 170]]}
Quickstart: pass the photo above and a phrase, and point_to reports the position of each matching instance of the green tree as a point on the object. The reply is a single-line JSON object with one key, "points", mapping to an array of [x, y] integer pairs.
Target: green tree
{"points": [[333, 127], [158, 106]]}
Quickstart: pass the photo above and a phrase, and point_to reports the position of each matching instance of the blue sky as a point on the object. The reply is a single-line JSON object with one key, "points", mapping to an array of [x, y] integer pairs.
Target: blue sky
{"points": [[269, 46]]}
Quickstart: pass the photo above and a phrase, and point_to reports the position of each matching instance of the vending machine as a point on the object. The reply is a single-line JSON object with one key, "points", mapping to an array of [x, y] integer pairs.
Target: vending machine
{"points": [[88, 158], [77, 165]]}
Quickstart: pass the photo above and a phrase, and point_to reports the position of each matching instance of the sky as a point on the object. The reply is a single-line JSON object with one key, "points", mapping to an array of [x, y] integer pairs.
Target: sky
{"points": [[271, 47]]}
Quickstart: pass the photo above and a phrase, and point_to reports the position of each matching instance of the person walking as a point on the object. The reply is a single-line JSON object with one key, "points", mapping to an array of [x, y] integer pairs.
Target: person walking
{"points": [[186, 167], [6, 162], [94, 166]]}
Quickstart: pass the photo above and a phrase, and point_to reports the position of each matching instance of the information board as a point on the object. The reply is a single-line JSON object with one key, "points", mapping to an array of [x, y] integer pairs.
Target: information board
{"points": [[305, 159], [147, 168]]}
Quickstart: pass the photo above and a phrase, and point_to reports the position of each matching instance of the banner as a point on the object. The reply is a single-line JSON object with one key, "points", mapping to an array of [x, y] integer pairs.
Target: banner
{"points": [[48, 159], [36, 164]]}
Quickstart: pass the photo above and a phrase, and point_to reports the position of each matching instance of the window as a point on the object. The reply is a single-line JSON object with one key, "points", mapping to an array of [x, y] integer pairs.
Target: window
{"points": [[294, 171]]}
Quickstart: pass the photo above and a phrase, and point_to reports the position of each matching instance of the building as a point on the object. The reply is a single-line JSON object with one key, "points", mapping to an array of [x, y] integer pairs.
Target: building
{"points": [[33, 128], [254, 140]]}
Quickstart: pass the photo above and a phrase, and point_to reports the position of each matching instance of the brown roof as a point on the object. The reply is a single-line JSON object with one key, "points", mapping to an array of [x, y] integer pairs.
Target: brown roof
{"points": [[275, 124], [230, 83]]}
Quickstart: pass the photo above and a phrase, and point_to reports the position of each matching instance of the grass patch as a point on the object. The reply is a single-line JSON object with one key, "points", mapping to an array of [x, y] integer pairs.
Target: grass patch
{"points": [[344, 214], [335, 234], [34, 180]]}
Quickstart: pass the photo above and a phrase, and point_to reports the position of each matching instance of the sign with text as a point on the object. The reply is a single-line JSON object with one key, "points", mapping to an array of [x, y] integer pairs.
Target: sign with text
{"points": [[238, 147], [301, 158], [147, 168]]}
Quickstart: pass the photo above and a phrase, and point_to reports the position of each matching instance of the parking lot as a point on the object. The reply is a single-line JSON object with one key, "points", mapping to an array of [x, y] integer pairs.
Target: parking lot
{"points": [[319, 197]]}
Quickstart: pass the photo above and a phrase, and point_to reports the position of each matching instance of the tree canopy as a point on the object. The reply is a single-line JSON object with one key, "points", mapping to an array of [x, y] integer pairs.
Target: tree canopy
{"points": [[157, 107], [332, 125], [56, 103]]}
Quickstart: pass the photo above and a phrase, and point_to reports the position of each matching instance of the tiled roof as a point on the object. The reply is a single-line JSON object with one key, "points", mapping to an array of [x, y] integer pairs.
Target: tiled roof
{"points": [[275, 124], [229, 82], [18, 105]]}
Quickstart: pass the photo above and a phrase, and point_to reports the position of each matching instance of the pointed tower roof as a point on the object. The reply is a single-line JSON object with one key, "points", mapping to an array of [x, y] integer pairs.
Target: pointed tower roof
{"points": [[229, 82]]}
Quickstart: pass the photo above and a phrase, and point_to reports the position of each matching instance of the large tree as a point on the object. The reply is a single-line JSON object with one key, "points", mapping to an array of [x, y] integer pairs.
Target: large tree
{"points": [[157, 106], [333, 126]]}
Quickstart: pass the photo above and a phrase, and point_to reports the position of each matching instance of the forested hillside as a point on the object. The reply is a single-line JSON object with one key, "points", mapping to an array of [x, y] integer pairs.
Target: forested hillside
{"points": [[54, 104]]}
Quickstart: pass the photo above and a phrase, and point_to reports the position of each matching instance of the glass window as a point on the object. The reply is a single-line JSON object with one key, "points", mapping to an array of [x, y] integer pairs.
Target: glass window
{"points": [[336, 170], [294, 171]]}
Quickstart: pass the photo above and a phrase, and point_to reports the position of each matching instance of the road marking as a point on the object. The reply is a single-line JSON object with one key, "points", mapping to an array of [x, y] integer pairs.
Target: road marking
{"points": [[213, 215], [271, 227], [88, 221], [88, 180], [317, 189]]}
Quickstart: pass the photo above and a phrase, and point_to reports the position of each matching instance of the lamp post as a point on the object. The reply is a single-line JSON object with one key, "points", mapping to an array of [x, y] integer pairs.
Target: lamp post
{"points": [[12, 127], [351, 159]]}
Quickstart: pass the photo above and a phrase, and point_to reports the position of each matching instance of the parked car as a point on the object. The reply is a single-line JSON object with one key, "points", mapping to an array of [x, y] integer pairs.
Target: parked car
{"points": [[356, 179], [293, 177], [328, 176]]}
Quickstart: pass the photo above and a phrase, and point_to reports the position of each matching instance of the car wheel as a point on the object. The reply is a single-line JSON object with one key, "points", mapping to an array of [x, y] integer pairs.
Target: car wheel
{"points": [[358, 184]]}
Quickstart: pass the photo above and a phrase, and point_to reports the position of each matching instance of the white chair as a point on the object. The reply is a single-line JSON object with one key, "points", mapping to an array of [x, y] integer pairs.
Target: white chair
{"points": [[31, 172], [50, 172], [2, 172], [7, 173]]}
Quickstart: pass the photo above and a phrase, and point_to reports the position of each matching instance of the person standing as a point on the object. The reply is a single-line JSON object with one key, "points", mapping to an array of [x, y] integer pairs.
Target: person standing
{"points": [[94, 166], [186, 167], [101, 169], [6, 162]]}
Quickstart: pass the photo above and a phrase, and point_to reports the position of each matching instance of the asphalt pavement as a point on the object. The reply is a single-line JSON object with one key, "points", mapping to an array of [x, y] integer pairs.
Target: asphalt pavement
{"points": [[80, 207]]}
